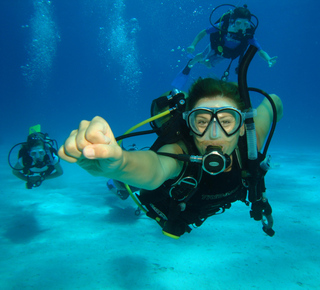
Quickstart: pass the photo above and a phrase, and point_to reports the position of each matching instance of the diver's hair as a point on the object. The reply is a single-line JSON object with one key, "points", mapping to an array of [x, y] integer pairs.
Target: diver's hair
{"points": [[241, 12], [34, 140], [209, 87]]}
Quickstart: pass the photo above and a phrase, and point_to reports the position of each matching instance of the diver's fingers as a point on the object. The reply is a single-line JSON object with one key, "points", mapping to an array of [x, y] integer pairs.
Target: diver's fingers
{"points": [[69, 150], [80, 140], [95, 132], [102, 145], [273, 60], [99, 132], [111, 152], [62, 154]]}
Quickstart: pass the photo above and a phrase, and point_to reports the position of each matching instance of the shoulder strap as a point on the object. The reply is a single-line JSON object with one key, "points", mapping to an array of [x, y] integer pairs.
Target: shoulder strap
{"points": [[171, 132]]}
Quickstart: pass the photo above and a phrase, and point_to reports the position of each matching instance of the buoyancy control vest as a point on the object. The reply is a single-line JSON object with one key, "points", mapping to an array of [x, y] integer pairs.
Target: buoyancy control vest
{"points": [[201, 194], [217, 41]]}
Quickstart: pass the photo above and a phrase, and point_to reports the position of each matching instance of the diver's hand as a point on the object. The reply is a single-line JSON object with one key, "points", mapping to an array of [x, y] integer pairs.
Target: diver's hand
{"points": [[272, 61], [34, 181], [191, 49], [35, 178], [93, 147]]}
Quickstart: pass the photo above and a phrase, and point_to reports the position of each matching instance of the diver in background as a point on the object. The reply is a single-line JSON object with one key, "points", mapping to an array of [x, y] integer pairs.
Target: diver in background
{"points": [[38, 160], [230, 36]]}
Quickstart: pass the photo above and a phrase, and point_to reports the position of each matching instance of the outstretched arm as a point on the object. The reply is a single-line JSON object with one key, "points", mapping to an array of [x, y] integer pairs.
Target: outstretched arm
{"points": [[17, 173], [194, 43], [95, 149], [270, 60]]}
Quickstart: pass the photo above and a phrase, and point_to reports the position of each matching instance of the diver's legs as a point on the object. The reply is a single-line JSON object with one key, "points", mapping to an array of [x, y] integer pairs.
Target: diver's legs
{"points": [[206, 62], [198, 58], [201, 57], [210, 60]]}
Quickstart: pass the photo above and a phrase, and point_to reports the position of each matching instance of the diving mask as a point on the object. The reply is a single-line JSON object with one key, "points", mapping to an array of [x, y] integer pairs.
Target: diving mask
{"points": [[225, 119], [37, 153], [240, 25]]}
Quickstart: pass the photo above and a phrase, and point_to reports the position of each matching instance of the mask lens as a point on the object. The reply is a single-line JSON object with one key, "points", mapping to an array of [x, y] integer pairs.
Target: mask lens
{"points": [[199, 120], [229, 120], [242, 24], [34, 153]]}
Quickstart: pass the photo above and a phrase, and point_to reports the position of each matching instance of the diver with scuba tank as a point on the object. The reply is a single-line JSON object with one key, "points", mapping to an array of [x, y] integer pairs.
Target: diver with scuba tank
{"points": [[230, 37], [37, 159]]}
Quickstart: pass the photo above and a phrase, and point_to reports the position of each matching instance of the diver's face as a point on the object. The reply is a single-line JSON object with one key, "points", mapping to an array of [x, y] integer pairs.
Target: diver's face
{"points": [[214, 135], [239, 24], [37, 153]]}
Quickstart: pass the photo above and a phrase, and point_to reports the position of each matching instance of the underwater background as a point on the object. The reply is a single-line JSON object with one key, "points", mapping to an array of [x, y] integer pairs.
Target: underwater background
{"points": [[63, 61]]}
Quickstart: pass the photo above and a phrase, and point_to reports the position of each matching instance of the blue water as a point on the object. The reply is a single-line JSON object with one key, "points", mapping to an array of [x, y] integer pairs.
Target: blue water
{"points": [[63, 61]]}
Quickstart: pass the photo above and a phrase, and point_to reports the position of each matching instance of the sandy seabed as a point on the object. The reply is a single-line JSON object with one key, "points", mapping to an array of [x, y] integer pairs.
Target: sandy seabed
{"points": [[72, 233]]}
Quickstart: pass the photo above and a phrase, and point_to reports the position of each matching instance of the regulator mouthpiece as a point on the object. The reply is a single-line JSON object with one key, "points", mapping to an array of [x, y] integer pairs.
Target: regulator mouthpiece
{"points": [[214, 161]]}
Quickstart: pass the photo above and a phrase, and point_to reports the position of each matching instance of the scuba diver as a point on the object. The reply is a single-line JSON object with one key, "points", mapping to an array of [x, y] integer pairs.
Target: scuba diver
{"points": [[211, 152], [37, 159], [230, 37]]}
